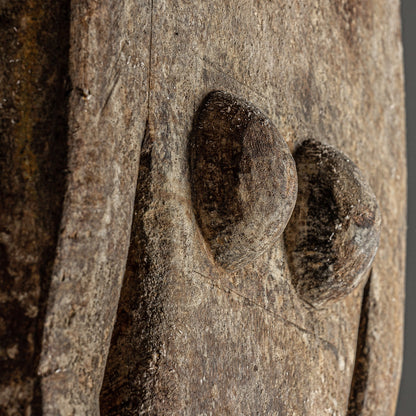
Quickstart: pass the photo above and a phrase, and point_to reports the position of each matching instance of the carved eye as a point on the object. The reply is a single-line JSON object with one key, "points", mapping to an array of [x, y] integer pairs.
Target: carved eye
{"points": [[333, 234], [243, 179]]}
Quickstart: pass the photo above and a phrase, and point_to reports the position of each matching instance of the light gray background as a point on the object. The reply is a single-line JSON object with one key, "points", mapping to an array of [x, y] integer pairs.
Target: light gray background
{"points": [[407, 398]]}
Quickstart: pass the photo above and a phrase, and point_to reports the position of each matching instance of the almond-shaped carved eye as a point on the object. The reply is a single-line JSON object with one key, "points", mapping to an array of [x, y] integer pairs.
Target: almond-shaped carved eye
{"points": [[333, 234], [243, 179]]}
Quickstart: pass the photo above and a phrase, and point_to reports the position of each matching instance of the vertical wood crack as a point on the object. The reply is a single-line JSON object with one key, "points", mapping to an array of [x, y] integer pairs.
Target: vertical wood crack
{"points": [[149, 82], [361, 368]]}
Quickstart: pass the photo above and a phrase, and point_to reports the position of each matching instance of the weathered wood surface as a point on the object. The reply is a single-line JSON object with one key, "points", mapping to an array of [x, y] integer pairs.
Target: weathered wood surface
{"points": [[34, 40], [109, 52], [334, 231], [243, 180], [108, 46], [189, 337], [243, 342]]}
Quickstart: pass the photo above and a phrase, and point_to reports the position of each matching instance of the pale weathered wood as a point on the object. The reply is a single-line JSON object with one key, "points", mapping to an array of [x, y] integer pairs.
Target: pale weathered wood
{"points": [[191, 338], [108, 66]]}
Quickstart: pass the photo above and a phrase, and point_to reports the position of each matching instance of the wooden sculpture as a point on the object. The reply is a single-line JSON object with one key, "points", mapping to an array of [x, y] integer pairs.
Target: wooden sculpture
{"points": [[181, 229]]}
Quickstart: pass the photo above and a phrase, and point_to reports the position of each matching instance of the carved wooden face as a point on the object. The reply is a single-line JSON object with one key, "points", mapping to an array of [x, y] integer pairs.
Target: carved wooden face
{"points": [[252, 232], [209, 278]]}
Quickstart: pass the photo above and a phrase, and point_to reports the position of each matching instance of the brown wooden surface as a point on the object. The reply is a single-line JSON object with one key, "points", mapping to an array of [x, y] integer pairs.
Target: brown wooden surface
{"points": [[191, 338], [34, 41], [241, 343]]}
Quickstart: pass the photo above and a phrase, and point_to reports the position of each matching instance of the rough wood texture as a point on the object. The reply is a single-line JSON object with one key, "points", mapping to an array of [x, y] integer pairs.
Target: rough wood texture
{"points": [[34, 38], [333, 234], [191, 338], [243, 179], [109, 54]]}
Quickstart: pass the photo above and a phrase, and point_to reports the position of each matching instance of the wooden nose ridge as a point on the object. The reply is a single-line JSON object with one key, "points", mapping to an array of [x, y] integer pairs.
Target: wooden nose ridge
{"points": [[243, 179], [333, 234]]}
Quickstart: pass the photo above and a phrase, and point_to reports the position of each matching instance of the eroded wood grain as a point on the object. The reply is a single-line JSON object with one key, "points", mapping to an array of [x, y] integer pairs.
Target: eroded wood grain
{"points": [[243, 342], [191, 338]]}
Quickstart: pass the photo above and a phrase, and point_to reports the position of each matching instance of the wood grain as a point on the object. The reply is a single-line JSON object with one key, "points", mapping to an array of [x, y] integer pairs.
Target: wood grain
{"points": [[190, 338]]}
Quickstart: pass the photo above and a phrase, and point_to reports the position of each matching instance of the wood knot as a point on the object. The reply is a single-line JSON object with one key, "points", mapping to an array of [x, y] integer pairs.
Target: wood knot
{"points": [[243, 179]]}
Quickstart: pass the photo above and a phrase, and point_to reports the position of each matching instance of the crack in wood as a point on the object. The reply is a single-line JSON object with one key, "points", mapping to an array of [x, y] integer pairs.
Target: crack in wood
{"points": [[361, 368], [328, 345]]}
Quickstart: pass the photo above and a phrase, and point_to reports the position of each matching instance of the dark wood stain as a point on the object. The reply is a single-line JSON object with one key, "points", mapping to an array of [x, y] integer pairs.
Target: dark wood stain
{"points": [[361, 370], [334, 231], [34, 64], [243, 179]]}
